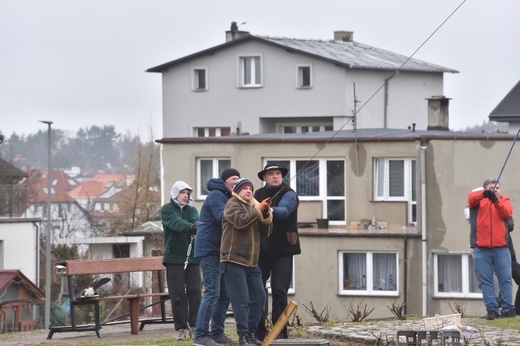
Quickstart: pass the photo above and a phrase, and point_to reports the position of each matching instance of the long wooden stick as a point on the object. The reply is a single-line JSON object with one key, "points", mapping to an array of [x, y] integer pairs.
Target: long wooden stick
{"points": [[282, 320]]}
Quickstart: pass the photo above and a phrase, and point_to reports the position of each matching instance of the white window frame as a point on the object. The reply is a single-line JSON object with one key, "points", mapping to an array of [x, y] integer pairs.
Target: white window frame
{"points": [[305, 128], [255, 59], [384, 195], [465, 271], [218, 131], [214, 174], [322, 197], [195, 86], [369, 275], [299, 76]]}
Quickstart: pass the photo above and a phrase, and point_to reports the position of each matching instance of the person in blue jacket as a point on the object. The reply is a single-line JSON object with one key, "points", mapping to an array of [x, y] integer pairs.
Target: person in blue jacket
{"points": [[179, 221], [215, 300]]}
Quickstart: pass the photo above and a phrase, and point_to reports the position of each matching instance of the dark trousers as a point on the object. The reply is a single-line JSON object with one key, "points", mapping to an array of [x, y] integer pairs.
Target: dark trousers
{"points": [[515, 269], [247, 295], [185, 288], [280, 271]]}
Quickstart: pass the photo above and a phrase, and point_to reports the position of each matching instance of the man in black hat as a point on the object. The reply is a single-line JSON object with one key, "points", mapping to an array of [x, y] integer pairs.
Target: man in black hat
{"points": [[276, 253]]}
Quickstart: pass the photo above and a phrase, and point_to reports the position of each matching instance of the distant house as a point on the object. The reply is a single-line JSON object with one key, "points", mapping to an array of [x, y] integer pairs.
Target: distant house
{"points": [[86, 192], [260, 84], [19, 302], [146, 240], [69, 220], [21, 236], [508, 110], [256, 100]]}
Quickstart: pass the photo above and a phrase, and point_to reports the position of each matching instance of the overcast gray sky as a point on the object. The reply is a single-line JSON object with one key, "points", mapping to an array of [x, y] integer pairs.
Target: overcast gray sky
{"points": [[82, 63]]}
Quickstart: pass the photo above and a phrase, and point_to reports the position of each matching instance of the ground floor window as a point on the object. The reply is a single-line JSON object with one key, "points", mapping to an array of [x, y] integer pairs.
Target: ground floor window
{"points": [[455, 276], [368, 273]]}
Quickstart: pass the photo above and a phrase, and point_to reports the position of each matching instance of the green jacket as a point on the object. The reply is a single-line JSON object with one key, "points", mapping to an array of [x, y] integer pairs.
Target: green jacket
{"points": [[176, 225]]}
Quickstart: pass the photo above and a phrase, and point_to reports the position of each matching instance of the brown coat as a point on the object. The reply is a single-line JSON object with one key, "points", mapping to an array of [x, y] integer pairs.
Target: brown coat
{"points": [[242, 223]]}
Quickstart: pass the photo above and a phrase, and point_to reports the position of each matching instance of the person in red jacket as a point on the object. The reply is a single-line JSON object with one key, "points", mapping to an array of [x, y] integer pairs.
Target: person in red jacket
{"points": [[489, 209]]}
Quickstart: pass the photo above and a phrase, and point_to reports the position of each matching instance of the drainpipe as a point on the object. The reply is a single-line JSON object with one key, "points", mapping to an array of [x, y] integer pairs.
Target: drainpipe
{"points": [[405, 296], [37, 264], [385, 105], [423, 231]]}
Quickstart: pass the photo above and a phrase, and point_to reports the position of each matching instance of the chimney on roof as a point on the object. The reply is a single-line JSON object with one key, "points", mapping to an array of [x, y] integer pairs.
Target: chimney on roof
{"points": [[438, 113], [234, 33], [345, 36]]}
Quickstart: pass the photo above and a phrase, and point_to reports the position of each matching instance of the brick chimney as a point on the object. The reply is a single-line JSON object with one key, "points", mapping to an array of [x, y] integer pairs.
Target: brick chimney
{"points": [[234, 33], [345, 36], [438, 113]]}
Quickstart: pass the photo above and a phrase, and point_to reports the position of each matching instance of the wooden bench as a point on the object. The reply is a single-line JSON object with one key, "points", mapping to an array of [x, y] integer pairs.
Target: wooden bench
{"points": [[113, 266]]}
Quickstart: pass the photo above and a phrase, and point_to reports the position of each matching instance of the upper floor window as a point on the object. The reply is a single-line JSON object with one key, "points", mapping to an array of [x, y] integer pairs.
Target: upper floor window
{"points": [[454, 276], [208, 168], [304, 76], [318, 180], [288, 128], [363, 273], [212, 131], [200, 79], [395, 181], [250, 71]]}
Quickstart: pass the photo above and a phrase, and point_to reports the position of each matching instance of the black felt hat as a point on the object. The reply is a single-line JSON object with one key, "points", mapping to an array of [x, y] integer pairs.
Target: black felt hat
{"points": [[270, 167]]}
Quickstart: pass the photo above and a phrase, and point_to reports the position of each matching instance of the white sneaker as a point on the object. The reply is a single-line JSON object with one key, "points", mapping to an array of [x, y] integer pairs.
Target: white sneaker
{"points": [[181, 335]]}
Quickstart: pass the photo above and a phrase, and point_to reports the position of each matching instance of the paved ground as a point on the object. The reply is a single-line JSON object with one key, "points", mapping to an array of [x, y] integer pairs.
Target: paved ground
{"points": [[110, 334], [369, 333]]}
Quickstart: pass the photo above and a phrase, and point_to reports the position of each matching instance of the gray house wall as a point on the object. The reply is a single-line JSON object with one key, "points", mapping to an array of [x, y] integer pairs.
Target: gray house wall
{"points": [[454, 164], [331, 97]]}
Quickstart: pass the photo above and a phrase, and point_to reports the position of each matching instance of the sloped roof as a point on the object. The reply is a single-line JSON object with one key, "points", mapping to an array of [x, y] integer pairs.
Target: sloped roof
{"points": [[351, 54], [109, 194], [8, 169], [62, 180], [508, 110], [89, 189], [110, 179], [58, 193], [148, 228], [7, 277]]}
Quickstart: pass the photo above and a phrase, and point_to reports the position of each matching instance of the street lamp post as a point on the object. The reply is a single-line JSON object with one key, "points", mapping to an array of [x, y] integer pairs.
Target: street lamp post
{"points": [[48, 242]]}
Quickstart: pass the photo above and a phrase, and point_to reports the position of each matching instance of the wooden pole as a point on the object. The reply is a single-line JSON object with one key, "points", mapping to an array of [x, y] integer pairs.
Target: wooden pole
{"points": [[282, 321]]}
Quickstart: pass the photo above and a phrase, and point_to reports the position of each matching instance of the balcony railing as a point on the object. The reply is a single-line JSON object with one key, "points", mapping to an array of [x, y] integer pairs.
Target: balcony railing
{"points": [[13, 200]]}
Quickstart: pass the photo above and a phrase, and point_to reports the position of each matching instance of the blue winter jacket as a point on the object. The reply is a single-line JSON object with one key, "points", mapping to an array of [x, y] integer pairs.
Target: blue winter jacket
{"points": [[209, 230]]}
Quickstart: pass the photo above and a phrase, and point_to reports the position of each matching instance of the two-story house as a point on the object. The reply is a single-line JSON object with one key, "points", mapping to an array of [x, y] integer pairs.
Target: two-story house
{"points": [[396, 162], [260, 84]]}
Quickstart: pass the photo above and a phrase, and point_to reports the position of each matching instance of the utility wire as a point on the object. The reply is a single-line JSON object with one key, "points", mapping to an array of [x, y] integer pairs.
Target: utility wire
{"points": [[396, 72]]}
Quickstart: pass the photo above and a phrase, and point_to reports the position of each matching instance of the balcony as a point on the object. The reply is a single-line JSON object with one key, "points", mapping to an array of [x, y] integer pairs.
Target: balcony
{"points": [[13, 200]]}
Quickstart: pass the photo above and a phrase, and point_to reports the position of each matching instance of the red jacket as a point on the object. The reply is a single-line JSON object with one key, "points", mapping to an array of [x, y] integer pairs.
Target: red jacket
{"points": [[489, 228]]}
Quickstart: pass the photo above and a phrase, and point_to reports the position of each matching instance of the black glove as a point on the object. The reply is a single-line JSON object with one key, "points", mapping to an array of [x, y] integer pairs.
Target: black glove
{"points": [[193, 228], [491, 195]]}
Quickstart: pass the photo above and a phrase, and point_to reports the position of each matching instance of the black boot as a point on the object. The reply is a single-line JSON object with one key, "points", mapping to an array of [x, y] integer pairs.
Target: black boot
{"points": [[251, 337], [243, 340]]}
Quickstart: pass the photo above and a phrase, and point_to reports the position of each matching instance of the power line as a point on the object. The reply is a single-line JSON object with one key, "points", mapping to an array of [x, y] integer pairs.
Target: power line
{"points": [[395, 73]]}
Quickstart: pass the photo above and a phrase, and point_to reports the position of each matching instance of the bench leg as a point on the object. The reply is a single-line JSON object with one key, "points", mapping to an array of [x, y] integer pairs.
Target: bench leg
{"points": [[134, 315]]}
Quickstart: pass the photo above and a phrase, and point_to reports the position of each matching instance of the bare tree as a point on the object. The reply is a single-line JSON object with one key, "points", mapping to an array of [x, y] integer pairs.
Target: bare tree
{"points": [[142, 202]]}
